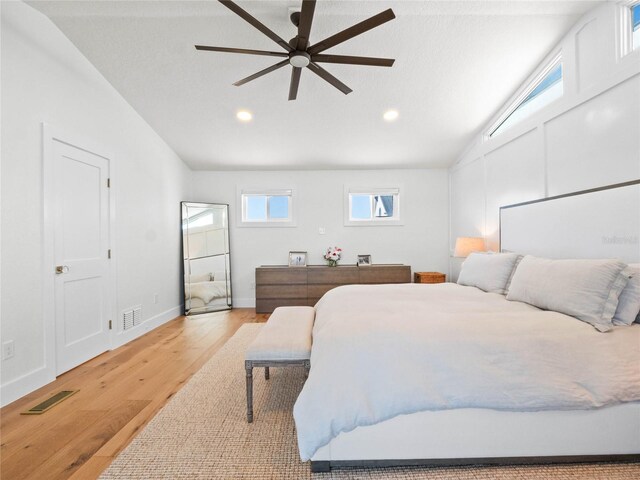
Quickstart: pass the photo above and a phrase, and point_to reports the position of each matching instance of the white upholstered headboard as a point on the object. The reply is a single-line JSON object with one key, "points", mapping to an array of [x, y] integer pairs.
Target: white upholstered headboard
{"points": [[598, 223]]}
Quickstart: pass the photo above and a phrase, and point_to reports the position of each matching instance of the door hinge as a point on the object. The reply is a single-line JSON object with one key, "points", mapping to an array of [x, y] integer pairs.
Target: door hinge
{"points": [[108, 183], [110, 325], [109, 253]]}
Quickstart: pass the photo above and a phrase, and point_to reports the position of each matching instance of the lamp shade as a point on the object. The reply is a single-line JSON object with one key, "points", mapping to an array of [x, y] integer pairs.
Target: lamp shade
{"points": [[466, 245]]}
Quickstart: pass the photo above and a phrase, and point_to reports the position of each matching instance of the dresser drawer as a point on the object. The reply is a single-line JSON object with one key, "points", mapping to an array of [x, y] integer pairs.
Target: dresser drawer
{"points": [[281, 291], [333, 275], [316, 291], [385, 274], [281, 276], [268, 305]]}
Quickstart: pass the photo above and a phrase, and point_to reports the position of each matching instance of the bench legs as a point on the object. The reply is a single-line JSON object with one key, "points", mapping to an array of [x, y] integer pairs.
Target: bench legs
{"points": [[248, 365]]}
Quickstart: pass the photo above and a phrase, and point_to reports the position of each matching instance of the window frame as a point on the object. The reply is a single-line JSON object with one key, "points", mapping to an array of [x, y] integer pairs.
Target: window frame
{"points": [[394, 220], [632, 7], [556, 60], [625, 28], [244, 193]]}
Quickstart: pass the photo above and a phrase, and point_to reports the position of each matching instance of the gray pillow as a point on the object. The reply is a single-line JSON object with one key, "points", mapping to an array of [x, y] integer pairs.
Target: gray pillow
{"points": [[628, 310], [490, 272], [585, 289]]}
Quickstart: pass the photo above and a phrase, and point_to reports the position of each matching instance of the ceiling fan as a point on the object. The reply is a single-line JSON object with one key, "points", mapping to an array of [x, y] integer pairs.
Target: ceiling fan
{"points": [[299, 54]]}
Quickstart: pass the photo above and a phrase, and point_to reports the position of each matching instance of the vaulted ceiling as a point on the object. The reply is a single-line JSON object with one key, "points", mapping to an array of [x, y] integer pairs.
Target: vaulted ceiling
{"points": [[456, 63]]}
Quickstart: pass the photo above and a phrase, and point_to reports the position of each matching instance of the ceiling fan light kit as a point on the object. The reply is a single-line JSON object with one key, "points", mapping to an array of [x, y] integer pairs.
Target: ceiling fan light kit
{"points": [[299, 59], [299, 54]]}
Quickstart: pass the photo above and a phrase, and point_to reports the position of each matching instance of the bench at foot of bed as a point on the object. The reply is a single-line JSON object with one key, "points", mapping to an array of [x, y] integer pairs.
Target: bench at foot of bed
{"points": [[285, 341]]}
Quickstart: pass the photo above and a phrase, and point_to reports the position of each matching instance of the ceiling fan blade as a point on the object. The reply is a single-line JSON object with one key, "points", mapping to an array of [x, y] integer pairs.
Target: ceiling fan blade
{"points": [[351, 32], [295, 82], [241, 50], [322, 73], [253, 21], [350, 60], [306, 19], [262, 72]]}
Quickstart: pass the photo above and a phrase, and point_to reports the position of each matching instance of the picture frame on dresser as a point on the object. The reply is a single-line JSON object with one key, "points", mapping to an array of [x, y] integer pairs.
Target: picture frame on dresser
{"points": [[364, 260], [297, 259]]}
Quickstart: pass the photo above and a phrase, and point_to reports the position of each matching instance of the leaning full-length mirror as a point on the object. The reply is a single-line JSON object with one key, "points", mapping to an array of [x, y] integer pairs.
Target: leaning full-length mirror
{"points": [[205, 254]]}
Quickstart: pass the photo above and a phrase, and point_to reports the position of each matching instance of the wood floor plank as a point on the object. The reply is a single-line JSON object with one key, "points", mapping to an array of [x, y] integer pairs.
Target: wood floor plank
{"points": [[31, 452], [92, 468], [120, 391], [123, 437], [66, 460]]}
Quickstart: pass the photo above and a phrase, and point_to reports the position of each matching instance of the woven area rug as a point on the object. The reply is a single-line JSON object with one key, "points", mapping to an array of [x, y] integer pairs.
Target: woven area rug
{"points": [[202, 433]]}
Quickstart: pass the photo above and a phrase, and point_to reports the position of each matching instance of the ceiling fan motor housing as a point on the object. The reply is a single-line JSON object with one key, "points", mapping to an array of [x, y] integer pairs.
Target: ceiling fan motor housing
{"points": [[299, 59]]}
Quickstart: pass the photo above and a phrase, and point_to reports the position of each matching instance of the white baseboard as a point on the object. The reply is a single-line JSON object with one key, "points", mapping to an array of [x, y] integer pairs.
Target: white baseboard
{"points": [[31, 381], [149, 324], [21, 386], [244, 302]]}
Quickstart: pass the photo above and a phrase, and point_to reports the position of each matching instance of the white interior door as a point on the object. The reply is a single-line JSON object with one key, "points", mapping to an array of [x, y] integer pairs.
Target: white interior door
{"points": [[81, 223]]}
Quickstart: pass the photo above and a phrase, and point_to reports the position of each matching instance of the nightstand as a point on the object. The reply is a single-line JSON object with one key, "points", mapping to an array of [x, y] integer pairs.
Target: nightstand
{"points": [[429, 277]]}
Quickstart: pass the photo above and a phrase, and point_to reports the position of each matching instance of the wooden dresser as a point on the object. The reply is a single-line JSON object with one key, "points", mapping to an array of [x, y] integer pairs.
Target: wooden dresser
{"points": [[278, 286]]}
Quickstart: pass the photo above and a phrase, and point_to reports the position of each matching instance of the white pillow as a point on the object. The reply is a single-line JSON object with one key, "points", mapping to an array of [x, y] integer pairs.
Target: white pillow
{"points": [[628, 309], [203, 277], [585, 289], [202, 290], [490, 272]]}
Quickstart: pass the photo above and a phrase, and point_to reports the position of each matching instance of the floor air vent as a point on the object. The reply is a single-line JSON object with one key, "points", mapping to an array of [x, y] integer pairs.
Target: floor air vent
{"points": [[50, 402]]}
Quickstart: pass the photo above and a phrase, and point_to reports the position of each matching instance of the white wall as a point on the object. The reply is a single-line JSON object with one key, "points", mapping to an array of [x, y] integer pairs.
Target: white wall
{"points": [[46, 79], [420, 242], [589, 138]]}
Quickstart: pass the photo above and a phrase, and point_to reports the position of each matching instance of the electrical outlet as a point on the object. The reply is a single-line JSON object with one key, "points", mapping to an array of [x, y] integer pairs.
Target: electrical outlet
{"points": [[155, 298], [321, 231], [8, 349], [253, 285]]}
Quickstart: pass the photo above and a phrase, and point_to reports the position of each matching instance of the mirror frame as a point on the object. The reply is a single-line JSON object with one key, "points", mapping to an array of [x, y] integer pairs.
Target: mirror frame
{"points": [[184, 259]]}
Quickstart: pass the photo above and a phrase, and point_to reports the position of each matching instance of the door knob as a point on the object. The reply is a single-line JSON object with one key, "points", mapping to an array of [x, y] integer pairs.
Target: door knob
{"points": [[61, 269]]}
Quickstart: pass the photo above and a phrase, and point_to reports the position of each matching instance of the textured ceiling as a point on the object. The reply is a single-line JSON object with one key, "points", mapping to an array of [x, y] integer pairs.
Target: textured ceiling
{"points": [[457, 62]]}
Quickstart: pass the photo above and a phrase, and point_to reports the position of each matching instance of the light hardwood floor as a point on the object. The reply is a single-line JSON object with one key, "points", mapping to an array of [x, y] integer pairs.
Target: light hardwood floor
{"points": [[120, 391]]}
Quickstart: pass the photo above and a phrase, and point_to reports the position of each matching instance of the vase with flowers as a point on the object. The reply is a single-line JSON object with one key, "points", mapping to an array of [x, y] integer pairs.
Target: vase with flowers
{"points": [[332, 256]]}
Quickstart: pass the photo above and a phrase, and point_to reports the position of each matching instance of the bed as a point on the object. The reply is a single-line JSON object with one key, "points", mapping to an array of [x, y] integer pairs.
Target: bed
{"points": [[459, 375]]}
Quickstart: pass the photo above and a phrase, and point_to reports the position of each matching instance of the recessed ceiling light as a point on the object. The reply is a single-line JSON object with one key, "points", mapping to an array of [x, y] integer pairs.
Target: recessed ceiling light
{"points": [[390, 115], [244, 116]]}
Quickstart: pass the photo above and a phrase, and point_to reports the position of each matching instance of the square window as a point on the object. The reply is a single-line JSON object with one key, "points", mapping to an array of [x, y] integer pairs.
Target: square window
{"points": [[266, 208], [372, 206]]}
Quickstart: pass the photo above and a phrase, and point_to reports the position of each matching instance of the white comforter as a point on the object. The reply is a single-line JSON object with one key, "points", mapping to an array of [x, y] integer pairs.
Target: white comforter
{"points": [[384, 350]]}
